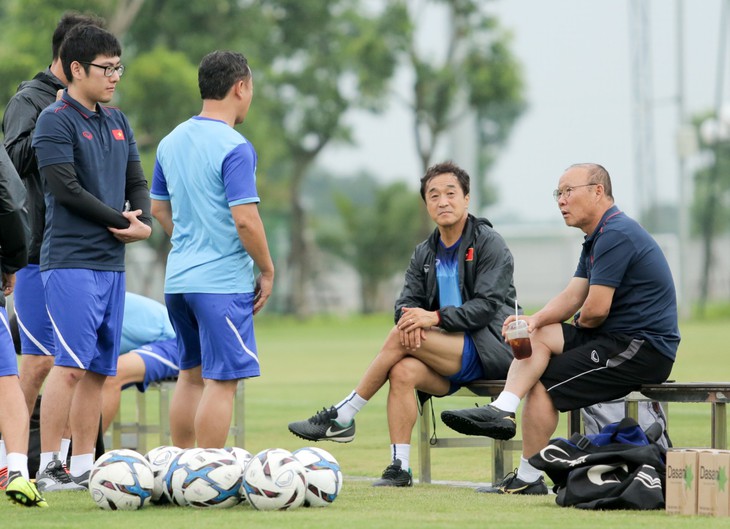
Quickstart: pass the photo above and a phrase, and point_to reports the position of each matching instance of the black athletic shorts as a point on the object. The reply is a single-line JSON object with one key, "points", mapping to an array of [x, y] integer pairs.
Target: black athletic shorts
{"points": [[597, 367]]}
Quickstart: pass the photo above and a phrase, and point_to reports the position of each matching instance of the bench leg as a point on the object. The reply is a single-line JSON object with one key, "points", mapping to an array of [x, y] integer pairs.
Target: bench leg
{"points": [[424, 447], [719, 426]]}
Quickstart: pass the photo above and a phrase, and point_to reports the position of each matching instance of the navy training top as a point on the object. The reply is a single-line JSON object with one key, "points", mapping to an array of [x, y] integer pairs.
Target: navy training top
{"points": [[621, 254], [100, 145]]}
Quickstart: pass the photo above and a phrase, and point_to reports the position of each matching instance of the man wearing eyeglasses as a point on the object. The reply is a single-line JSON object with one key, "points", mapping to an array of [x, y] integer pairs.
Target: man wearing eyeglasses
{"points": [[19, 121], [88, 159], [623, 329]]}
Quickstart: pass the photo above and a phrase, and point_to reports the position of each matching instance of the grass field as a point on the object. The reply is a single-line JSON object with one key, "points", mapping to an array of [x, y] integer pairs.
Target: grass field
{"points": [[307, 365]]}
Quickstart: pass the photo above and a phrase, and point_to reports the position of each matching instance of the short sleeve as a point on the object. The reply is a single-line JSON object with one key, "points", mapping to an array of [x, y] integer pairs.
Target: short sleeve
{"points": [[239, 175], [159, 184]]}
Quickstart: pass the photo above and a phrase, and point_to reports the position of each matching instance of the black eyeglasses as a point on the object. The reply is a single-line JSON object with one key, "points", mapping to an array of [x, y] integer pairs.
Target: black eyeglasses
{"points": [[557, 194], [108, 70]]}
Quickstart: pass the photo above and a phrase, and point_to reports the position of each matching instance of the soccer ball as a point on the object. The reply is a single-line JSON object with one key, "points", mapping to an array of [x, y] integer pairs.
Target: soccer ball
{"points": [[172, 483], [274, 480], [159, 459], [204, 478], [324, 478], [121, 480], [243, 457]]}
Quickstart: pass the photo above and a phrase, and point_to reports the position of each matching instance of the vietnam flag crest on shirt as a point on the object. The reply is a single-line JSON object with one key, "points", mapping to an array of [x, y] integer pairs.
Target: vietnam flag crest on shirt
{"points": [[118, 134]]}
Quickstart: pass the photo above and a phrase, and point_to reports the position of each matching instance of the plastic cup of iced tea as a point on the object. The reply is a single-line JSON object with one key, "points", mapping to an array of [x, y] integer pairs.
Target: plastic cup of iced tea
{"points": [[519, 339]]}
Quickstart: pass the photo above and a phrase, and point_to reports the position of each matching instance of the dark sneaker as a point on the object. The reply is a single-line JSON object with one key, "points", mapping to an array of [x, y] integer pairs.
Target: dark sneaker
{"points": [[323, 426], [82, 480], [3, 478], [23, 492], [395, 476], [484, 420], [511, 484], [54, 477]]}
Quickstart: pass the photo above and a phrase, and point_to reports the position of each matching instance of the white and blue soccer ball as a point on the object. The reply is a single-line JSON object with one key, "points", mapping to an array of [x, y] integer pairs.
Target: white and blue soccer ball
{"points": [[205, 478], [324, 477], [159, 459], [274, 480], [243, 456], [121, 480], [174, 479]]}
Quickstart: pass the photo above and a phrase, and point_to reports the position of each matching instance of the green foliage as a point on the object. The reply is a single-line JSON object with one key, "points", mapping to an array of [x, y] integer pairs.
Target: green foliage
{"points": [[377, 232], [479, 67], [159, 90]]}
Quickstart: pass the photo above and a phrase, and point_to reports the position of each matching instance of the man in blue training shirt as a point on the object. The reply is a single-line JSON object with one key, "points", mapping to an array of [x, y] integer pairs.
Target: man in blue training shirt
{"points": [[448, 322], [204, 196], [624, 330], [90, 166]]}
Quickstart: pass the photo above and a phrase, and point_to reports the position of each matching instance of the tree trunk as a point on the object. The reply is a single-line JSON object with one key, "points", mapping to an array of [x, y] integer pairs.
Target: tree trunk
{"points": [[298, 261]]}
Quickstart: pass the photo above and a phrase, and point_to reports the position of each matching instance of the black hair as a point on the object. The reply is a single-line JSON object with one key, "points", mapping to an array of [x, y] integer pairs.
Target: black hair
{"points": [[85, 43], [445, 168], [219, 71], [69, 20]]}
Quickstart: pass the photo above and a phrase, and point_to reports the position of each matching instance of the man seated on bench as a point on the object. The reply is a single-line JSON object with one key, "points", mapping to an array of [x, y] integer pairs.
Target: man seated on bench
{"points": [[148, 352], [458, 290], [624, 331]]}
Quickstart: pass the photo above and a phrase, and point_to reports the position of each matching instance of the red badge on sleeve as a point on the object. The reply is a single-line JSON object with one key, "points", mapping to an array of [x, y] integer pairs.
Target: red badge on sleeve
{"points": [[118, 134]]}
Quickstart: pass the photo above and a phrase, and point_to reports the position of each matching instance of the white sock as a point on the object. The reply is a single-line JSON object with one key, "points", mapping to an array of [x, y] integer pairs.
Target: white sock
{"points": [[526, 472], [348, 408], [402, 452], [80, 464], [18, 462], [507, 402], [46, 457], [63, 453], [3, 455]]}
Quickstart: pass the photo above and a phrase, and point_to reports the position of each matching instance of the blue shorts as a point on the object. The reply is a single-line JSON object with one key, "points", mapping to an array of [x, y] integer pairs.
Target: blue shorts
{"points": [[86, 308], [34, 324], [215, 331], [161, 361], [8, 359], [471, 366]]}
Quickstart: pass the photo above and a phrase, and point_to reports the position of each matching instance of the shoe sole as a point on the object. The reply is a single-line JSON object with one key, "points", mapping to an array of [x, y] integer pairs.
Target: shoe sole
{"points": [[470, 427], [317, 439], [391, 484], [21, 499]]}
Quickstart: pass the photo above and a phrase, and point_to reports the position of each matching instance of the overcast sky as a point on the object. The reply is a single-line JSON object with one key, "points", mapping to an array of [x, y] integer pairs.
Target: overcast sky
{"points": [[577, 58]]}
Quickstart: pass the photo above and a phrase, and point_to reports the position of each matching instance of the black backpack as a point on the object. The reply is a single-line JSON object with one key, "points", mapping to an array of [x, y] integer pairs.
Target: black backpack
{"points": [[621, 467]]}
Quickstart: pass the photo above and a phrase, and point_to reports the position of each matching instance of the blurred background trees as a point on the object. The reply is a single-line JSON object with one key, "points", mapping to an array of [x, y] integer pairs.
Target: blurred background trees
{"points": [[313, 63]]}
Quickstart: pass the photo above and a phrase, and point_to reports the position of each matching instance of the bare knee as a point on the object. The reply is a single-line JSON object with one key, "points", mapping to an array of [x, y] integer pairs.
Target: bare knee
{"points": [[403, 374]]}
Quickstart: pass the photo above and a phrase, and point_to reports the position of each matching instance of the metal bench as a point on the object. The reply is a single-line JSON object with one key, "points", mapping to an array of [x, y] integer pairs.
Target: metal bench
{"points": [[717, 394], [135, 434]]}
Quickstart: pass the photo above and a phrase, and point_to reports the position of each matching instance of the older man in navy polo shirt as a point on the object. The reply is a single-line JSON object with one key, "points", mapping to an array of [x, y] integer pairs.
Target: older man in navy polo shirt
{"points": [[89, 162]]}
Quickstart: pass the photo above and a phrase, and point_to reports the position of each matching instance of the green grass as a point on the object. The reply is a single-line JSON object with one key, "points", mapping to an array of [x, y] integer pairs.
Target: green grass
{"points": [[307, 365]]}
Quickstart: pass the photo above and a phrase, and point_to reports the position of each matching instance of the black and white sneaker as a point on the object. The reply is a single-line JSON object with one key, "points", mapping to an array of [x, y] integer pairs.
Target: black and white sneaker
{"points": [[323, 426], [511, 484], [395, 476], [484, 420]]}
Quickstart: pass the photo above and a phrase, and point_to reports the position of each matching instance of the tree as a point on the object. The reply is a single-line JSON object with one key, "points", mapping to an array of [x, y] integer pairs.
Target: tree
{"points": [[711, 206], [376, 233], [310, 80], [476, 67]]}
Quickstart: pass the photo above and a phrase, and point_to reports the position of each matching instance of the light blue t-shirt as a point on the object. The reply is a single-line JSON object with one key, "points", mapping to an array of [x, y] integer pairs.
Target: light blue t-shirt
{"points": [[447, 275], [145, 321], [204, 167]]}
